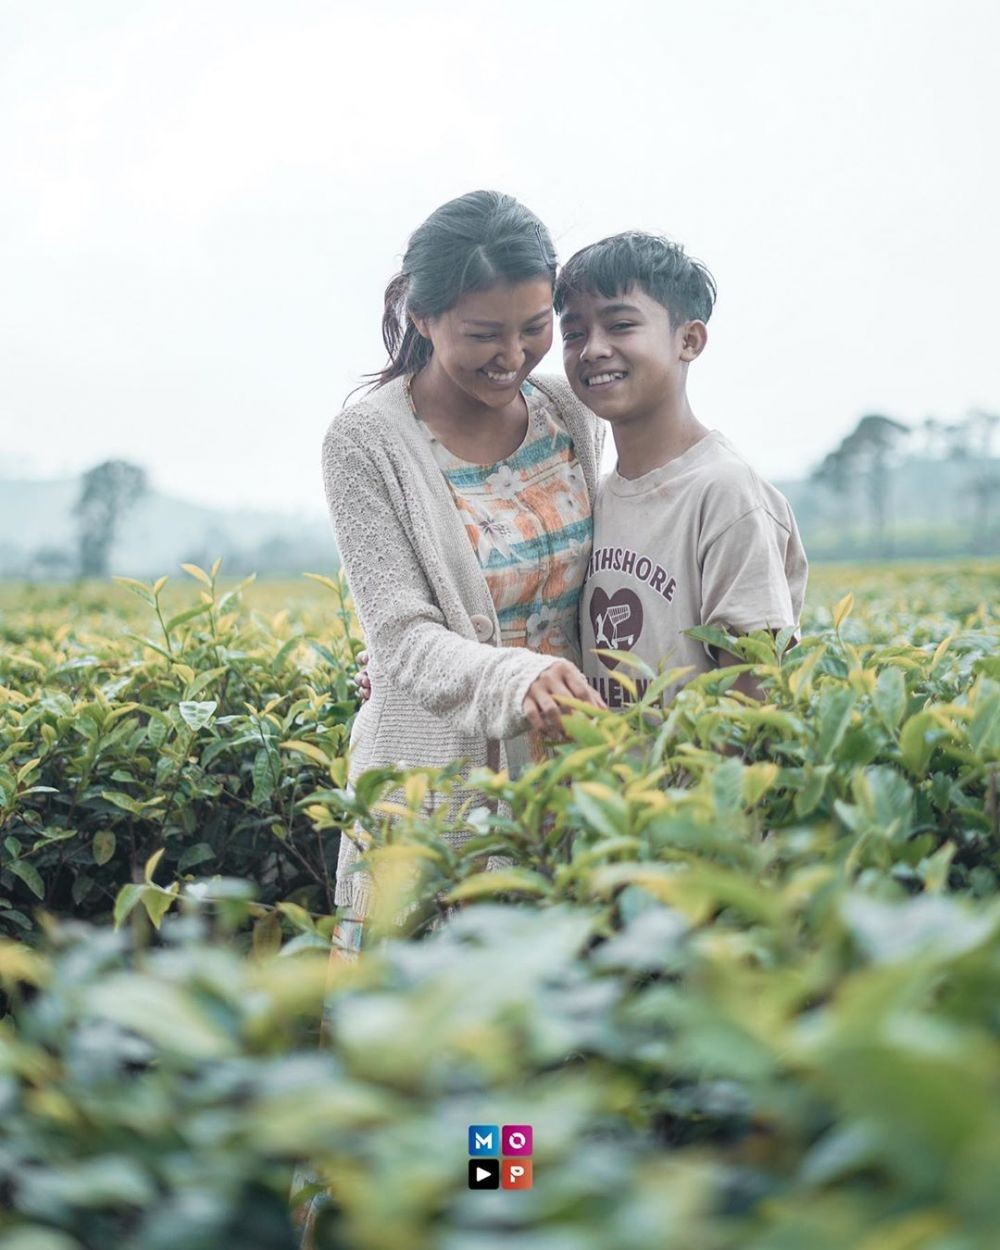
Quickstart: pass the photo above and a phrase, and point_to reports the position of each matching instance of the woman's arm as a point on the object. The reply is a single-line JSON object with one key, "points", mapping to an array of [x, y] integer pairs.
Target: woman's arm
{"points": [[479, 688]]}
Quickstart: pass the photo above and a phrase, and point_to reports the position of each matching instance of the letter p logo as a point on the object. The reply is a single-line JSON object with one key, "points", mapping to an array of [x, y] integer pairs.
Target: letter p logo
{"points": [[516, 1174]]}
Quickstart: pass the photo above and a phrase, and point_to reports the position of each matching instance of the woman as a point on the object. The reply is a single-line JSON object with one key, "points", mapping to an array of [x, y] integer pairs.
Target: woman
{"points": [[461, 496]]}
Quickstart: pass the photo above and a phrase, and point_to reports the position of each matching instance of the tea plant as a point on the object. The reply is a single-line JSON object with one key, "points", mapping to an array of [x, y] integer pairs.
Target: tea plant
{"points": [[740, 974], [191, 728]]}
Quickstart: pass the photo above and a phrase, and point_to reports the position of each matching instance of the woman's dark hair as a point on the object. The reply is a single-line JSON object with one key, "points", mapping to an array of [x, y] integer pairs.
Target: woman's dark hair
{"points": [[465, 245], [662, 268]]}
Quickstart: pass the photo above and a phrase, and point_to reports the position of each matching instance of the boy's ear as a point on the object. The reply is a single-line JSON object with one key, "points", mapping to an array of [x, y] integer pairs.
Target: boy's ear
{"points": [[694, 336]]}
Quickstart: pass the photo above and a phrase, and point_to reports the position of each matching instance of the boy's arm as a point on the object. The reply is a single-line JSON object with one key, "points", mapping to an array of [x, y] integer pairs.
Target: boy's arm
{"points": [[746, 683], [753, 577]]}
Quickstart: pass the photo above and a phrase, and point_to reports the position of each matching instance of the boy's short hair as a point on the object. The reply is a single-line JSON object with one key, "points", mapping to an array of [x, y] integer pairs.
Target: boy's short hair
{"points": [[653, 262]]}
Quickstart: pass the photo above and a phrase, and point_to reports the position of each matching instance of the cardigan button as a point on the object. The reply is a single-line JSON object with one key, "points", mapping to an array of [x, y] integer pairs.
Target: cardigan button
{"points": [[483, 627]]}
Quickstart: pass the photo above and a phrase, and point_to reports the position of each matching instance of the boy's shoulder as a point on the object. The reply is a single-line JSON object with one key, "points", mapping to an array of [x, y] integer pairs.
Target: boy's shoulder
{"points": [[732, 487], [704, 493]]}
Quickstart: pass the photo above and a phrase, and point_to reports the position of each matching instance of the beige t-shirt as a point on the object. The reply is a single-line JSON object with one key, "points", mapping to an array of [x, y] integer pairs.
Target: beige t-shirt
{"points": [[702, 540]]}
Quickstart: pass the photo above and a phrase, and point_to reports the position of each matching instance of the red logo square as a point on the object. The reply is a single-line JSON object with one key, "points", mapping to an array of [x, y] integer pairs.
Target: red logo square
{"points": [[516, 1174]]}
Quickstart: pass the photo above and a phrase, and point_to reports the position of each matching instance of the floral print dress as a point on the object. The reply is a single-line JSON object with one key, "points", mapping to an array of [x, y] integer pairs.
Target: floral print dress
{"points": [[528, 518]]}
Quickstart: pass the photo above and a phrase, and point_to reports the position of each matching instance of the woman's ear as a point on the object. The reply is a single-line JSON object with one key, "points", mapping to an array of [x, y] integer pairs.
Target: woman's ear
{"points": [[694, 336], [420, 325]]}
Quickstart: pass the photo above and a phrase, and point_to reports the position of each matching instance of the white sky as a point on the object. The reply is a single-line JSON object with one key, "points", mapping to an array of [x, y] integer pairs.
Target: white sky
{"points": [[202, 202]]}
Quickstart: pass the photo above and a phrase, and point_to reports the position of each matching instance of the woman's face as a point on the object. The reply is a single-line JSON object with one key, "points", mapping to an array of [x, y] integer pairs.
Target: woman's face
{"points": [[489, 341]]}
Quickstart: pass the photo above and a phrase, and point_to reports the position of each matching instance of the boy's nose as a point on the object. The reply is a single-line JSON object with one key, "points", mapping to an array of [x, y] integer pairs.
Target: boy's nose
{"points": [[595, 347]]}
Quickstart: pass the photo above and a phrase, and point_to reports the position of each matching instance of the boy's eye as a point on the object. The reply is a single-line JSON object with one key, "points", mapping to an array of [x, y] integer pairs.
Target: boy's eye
{"points": [[570, 335], [622, 325], [483, 338]]}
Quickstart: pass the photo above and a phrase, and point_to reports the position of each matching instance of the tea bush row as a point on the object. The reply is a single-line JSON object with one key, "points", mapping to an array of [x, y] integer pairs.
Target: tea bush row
{"points": [[741, 976], [124, 732]]}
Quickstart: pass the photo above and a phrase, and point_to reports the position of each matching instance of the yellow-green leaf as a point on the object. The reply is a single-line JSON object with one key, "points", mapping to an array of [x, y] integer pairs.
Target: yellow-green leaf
{"points": [[843, 610], [198, 573], [103, 846], [504, 881], [310, 749]]}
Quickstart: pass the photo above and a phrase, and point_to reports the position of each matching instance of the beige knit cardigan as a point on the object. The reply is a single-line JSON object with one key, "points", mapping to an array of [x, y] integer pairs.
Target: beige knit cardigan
{"points": [[443, 689]]}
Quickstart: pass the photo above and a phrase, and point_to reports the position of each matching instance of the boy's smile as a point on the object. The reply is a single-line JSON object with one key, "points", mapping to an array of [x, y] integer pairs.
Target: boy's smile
{"points": [[622, 357]]}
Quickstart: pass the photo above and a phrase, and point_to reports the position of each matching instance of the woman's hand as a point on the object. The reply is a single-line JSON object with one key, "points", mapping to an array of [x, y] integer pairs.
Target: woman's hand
{"points": [[361, 678], [560, 680]]}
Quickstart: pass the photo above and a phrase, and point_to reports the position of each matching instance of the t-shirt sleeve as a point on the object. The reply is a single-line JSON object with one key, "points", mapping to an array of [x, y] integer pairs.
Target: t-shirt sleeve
{"points": [[753, 575]]}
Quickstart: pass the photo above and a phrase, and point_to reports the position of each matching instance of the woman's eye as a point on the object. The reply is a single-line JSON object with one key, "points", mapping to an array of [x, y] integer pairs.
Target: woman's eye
{"points": [[623, 325], [484, 338]]}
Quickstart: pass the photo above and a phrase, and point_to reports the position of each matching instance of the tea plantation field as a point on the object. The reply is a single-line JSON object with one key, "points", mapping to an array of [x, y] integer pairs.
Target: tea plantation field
{"points": [[742, 977]]}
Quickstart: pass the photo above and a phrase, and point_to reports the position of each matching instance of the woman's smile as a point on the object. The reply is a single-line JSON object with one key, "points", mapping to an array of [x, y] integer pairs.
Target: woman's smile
{"points": [[503, 380]]}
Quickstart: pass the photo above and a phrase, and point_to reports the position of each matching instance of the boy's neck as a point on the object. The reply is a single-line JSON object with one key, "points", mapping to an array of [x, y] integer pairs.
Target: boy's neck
{"points": [[649, 441]]}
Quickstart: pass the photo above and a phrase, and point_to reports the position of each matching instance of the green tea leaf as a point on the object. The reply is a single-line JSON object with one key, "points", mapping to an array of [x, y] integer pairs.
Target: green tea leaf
{"points": [[197, 715], [834, 710], [502, 881], [889, 698], [103, 846], [29, 875]]}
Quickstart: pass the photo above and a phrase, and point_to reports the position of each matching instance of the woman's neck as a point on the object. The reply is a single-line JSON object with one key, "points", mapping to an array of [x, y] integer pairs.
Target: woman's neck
{"points": [[467, 427]]}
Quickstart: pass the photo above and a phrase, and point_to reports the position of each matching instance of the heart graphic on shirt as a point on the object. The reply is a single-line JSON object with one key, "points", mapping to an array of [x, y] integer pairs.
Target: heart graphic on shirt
{"points": [[616, 621]]}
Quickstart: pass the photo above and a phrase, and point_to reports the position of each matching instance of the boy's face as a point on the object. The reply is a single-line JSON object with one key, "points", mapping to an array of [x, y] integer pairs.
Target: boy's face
{"points": [[622, 357]]}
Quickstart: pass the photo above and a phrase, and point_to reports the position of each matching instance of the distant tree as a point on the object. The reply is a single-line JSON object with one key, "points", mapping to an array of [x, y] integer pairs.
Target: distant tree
{"points": [[107, 491], [866, 456], [870, 446], [834, 472], [52, 564], [934, 439], [958, 438], [984, 488], [984, 481], [982, 428]]}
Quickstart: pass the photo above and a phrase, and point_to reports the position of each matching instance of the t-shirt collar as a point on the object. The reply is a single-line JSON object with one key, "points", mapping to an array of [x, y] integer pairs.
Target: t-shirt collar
{"points": [[619, 485]]}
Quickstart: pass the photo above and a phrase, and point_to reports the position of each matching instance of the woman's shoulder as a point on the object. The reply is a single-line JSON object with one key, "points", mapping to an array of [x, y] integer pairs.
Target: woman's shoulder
{"points": [[371, 416], [559, 391], [583, 426]]}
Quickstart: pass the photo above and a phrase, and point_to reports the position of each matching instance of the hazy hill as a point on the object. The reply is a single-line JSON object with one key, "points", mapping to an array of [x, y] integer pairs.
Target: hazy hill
{"points": [[931, 509], [37, 528]]}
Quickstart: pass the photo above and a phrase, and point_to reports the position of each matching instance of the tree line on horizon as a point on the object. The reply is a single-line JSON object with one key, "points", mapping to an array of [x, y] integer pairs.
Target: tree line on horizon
{"points": [[860, 469], [865, 462]]}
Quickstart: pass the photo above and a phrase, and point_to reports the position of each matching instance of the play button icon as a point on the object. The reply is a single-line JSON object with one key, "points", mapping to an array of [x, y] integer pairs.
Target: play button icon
{"points": [[484, 1173]]}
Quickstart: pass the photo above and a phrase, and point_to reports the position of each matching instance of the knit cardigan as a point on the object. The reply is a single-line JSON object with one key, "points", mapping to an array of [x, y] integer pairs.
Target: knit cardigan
{"points": [[443, 689]]}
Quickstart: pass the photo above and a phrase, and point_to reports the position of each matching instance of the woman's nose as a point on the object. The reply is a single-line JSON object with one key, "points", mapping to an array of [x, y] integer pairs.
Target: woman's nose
{"points": [[510, 356]]}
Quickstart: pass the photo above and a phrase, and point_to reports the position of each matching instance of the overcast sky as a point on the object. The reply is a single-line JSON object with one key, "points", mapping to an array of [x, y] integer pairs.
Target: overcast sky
{"points": [[202, 203]]}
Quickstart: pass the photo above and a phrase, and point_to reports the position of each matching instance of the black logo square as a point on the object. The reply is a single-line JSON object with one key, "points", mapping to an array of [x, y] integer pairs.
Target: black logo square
{"points": [[484, 1173]]}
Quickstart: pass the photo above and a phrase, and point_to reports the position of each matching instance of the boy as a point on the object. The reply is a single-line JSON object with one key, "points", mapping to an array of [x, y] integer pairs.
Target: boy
{"points": [[685, 532]]}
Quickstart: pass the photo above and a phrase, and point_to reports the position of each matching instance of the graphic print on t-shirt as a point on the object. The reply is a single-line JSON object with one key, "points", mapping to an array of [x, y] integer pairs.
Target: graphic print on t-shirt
{"points": [[616, 621], [620, 617], [702, 540]]}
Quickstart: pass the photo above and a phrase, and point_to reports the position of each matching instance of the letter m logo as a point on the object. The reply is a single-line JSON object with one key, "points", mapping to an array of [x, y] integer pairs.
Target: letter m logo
{"points": [[484, 1139]]}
